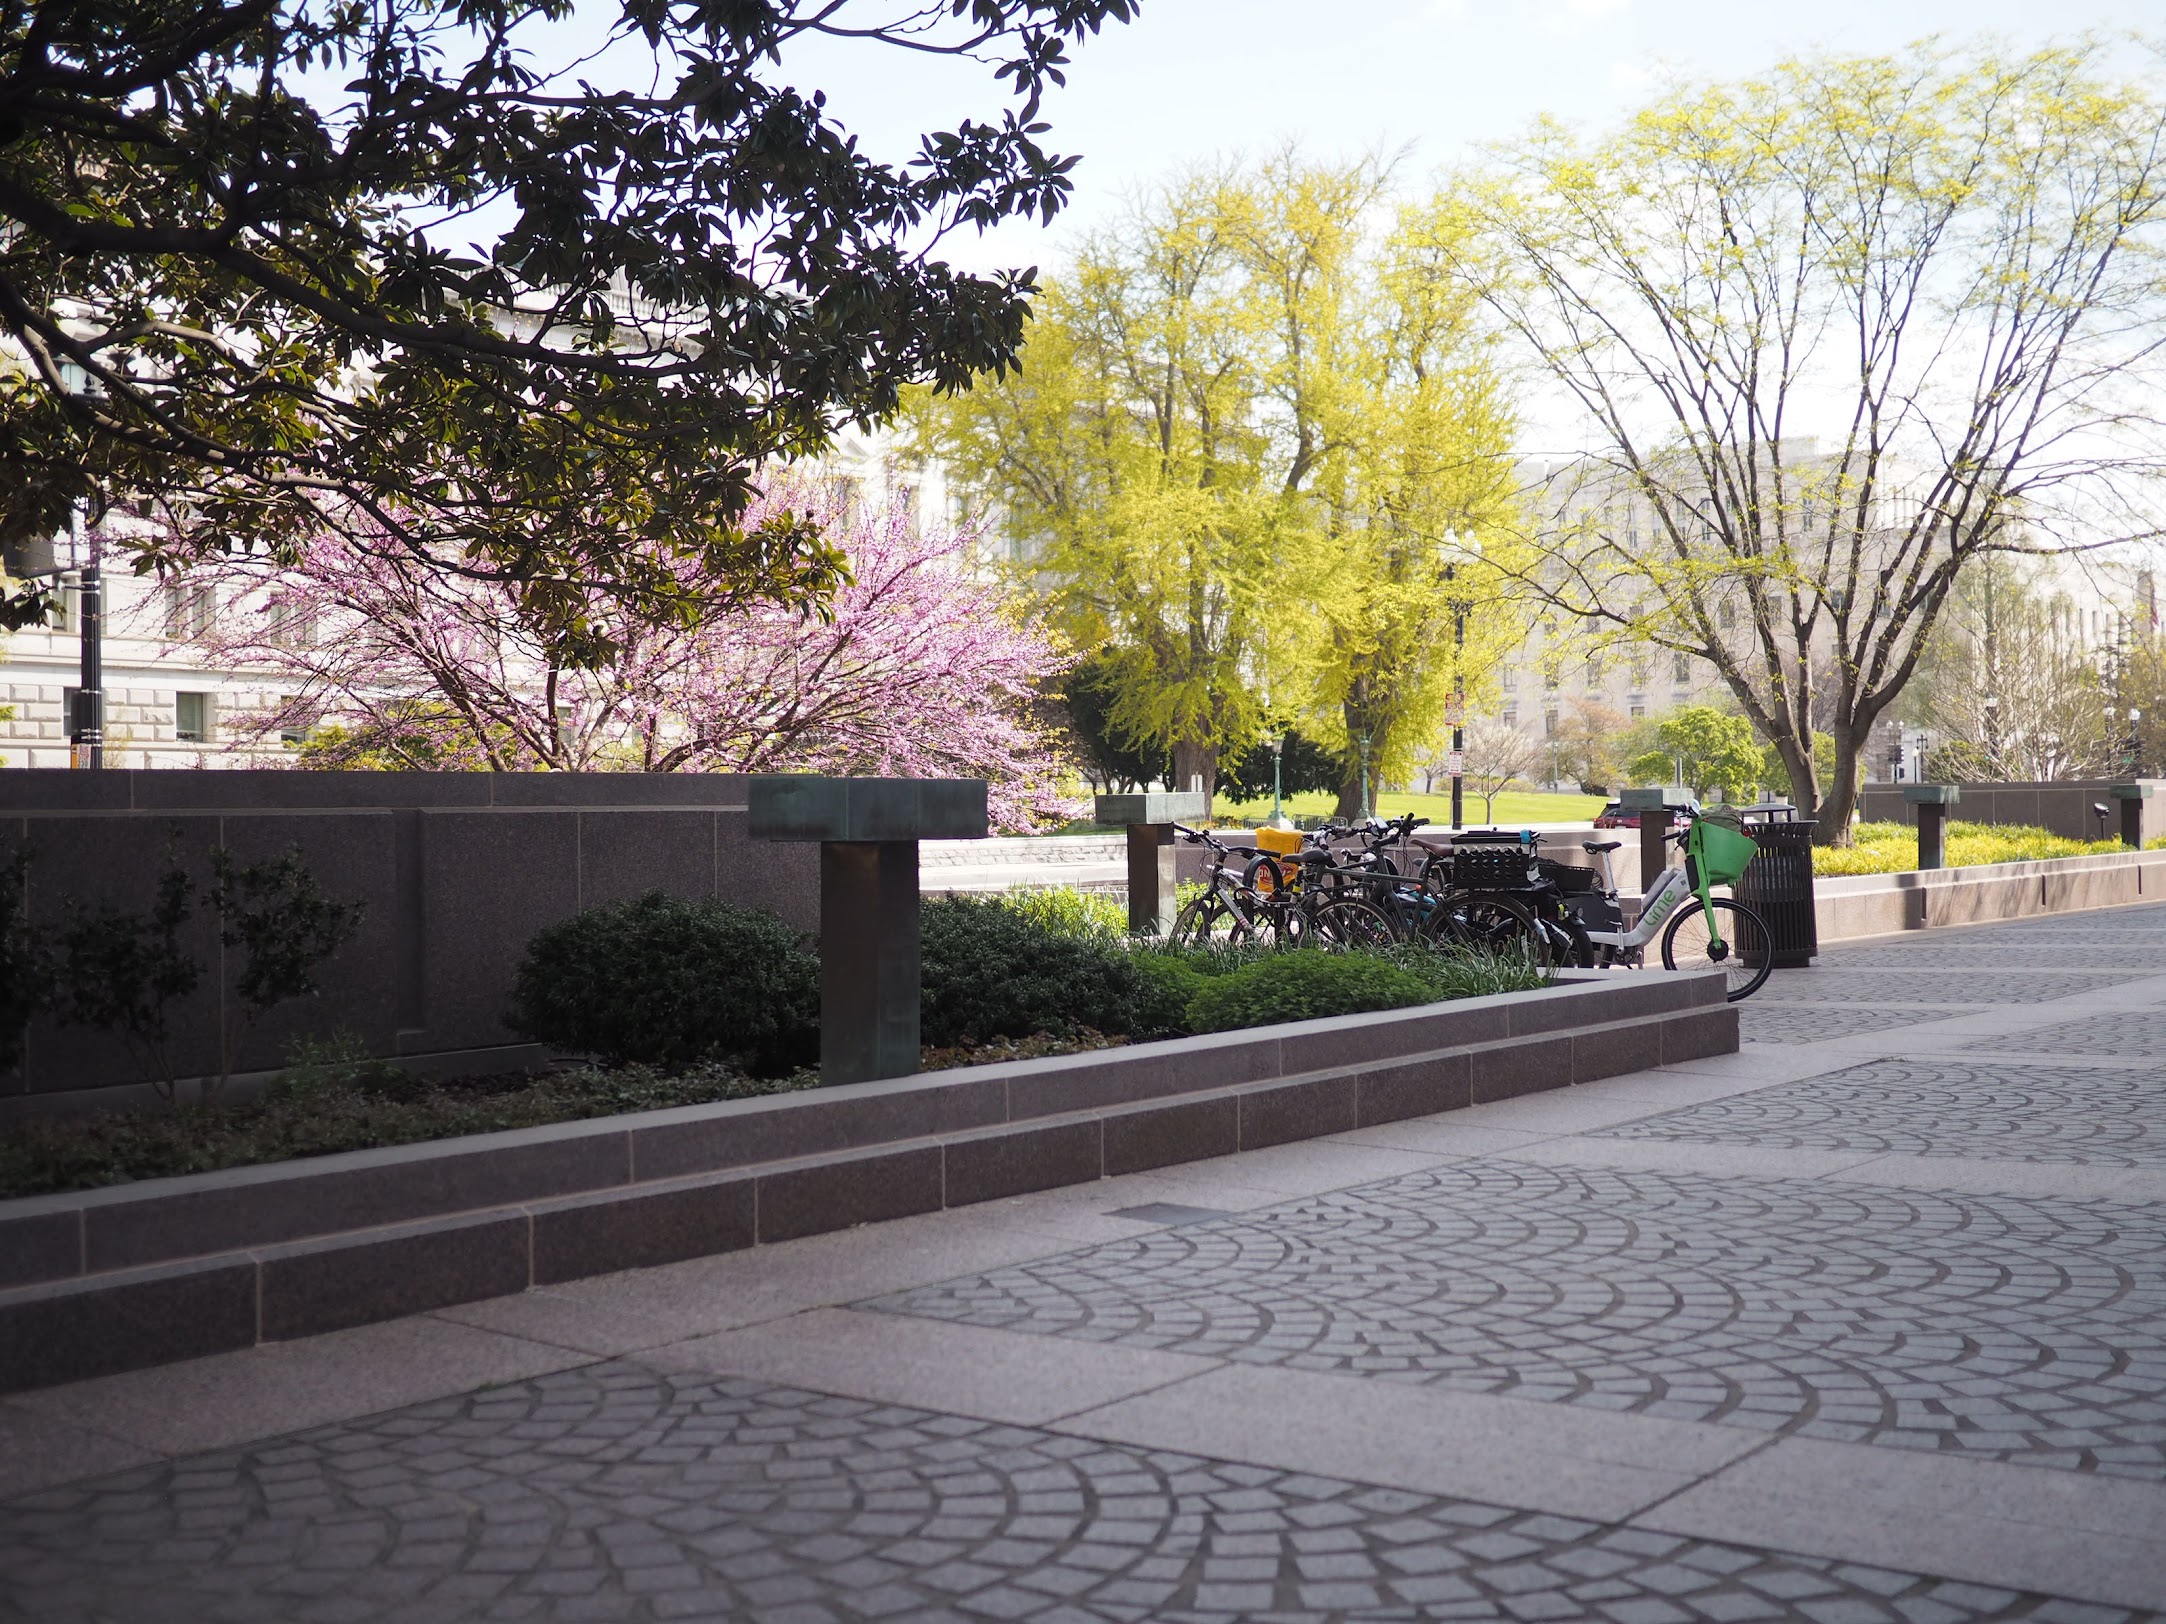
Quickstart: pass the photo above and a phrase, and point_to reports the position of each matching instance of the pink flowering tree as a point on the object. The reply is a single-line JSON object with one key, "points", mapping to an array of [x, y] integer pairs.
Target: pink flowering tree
{"points": [[918, 669]]}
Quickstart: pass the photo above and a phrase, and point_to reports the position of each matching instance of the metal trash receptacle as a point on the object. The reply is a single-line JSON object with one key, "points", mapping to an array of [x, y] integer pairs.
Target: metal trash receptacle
{"points": [[1778, 884]]}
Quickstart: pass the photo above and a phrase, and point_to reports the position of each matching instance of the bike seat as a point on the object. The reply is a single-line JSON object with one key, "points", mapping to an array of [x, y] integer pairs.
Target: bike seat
{"points": [[1595, 848]]}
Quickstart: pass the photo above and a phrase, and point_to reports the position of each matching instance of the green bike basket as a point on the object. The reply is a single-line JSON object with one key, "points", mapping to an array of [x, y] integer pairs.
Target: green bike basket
{"points": [[1722, 853]]}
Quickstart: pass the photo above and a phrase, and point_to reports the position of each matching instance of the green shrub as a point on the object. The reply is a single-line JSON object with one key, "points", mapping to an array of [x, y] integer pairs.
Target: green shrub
{"points": [[992, 970], [122, 971], [1301, 985], [668, 982]]}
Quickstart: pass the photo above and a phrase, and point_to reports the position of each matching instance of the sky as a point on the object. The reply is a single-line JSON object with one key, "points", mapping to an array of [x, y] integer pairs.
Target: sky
{"points": [[1192, 80], [1427, 81]]}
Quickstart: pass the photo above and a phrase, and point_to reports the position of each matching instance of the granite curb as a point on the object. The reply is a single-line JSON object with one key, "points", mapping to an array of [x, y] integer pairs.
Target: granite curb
{"points": [[176, 1268]]}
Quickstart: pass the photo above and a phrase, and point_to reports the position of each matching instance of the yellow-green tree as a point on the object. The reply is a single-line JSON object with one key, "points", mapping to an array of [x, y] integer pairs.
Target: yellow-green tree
{"points": [[1397, 424], [1944, 266], [1125, 459], [1253, 451]]}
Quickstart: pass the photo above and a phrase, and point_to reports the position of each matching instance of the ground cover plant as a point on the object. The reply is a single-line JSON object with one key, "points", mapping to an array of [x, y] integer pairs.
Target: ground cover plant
{"points": [[336, 1099], [1892, 848]]}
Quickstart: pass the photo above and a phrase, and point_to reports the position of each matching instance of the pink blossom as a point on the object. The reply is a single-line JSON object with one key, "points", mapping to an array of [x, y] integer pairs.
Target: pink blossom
{"points": [[918, 670]]}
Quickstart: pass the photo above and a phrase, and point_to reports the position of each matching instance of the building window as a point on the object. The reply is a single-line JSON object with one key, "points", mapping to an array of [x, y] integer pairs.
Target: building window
{"points": [[1683, 669], [1638, 711], [292, 625], [192, 718], [190, 610], [1511, 716], [1639, 673], [1549, 724], [68, 719], [1727, 614], [1508, 679]]}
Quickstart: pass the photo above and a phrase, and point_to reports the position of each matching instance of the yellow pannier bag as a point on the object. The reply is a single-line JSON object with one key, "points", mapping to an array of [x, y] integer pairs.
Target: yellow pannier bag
{"points": [[1282, 844]]}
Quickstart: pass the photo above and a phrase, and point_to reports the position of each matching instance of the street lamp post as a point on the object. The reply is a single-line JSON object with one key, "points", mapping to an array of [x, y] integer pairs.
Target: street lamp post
{"points": [[1993, 736], [87, 725], [1279, 820], [1459, 700], [2135, 741], [89, 718], [1367, 811]]}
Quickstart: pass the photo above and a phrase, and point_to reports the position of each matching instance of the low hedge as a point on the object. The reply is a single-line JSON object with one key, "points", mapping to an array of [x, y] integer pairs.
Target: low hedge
{"points": [[1225, 988], [663, 982], [1303, 985], [1892, 848]]}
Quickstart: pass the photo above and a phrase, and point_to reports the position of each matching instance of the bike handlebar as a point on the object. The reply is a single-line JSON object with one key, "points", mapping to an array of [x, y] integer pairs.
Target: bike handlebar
{"points": [[1204, 837]]}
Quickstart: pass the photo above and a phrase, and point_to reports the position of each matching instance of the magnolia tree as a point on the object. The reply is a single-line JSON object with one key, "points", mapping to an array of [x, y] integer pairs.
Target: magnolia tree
{"points": [[917, 670]]}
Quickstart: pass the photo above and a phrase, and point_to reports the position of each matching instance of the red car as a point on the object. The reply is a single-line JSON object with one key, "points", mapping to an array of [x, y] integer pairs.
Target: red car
{"points": [[1614, 816]]}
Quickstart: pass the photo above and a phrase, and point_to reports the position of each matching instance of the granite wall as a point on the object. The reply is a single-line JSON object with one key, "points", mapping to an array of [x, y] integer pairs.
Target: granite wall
{"points": [[457, 872], [2065, 809]]}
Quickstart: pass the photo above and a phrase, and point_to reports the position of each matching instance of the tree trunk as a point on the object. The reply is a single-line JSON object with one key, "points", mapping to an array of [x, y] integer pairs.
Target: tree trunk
{"points": [[1348, 804], [1354, 714], [1841, 802], [1193, 763]]}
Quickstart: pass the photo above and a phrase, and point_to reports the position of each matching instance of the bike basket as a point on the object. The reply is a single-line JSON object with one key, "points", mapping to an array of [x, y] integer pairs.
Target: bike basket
{"points": [[1493, 868], [1721, 853], [1570, 878]]}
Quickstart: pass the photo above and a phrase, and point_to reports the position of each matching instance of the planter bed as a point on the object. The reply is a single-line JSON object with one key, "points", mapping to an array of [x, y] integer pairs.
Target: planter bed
{"points": [[113, 1279]]}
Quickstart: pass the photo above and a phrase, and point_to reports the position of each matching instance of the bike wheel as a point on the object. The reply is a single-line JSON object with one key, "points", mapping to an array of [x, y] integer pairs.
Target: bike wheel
{"points": [[1745, 955], [1488, 923], [1212, 919], [1350, 923], [1568, 944]]}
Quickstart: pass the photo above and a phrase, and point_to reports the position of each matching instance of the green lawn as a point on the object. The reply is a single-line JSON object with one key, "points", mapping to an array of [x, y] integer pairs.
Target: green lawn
{"points": [[1513, 807]]}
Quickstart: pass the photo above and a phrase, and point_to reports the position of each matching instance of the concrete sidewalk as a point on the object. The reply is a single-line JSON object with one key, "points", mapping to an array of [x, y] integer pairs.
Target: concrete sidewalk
{"points": [[1866, 1322]]}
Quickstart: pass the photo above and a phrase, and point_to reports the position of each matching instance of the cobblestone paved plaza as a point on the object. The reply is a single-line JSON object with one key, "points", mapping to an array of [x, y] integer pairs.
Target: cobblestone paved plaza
{"points": [[1865, 1323]]}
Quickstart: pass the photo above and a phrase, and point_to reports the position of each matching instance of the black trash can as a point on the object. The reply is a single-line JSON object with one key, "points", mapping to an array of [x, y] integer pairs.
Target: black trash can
{"points": [[1778, 884]]}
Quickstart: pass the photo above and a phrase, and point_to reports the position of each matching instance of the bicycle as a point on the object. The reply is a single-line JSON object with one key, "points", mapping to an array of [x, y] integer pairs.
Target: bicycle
{"points": [[1693, 938], [1490, 895], [1229, 910], [1334, 898]]}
